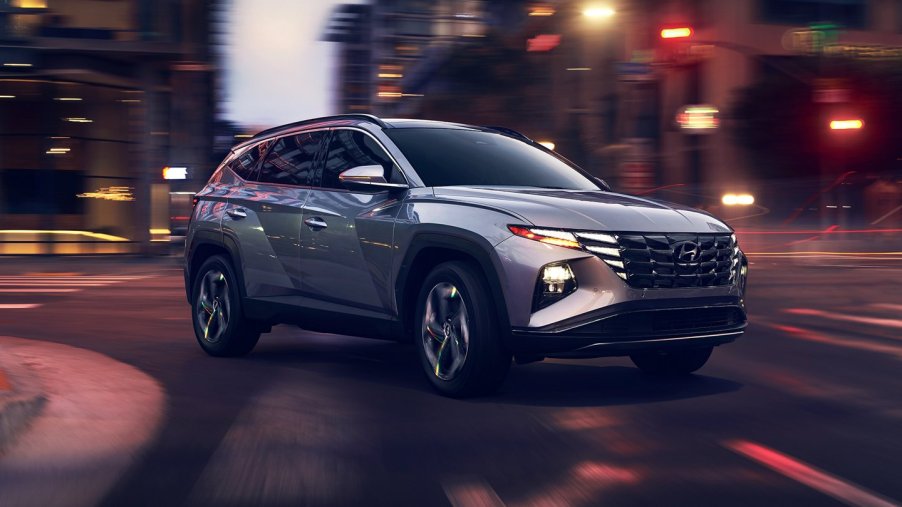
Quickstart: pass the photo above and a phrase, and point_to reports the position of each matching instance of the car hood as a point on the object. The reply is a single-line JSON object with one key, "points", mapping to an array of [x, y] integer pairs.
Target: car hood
{"points": [[587, 210]]}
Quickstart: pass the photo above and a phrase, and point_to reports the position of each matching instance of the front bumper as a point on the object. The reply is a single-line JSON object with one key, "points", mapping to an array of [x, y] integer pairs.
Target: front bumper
{"points": [[632, 326]]}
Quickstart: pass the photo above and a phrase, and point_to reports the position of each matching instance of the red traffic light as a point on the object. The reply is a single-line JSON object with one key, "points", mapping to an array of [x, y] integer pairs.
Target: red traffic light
{"points": [[681, 32]]}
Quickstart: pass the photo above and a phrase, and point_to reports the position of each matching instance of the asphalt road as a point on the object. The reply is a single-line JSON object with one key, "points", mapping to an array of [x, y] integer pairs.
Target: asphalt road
{"points": [[806, 408]]}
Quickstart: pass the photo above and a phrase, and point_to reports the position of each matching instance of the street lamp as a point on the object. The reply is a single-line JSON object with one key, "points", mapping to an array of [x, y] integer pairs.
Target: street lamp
{"points": [[598, 12]]}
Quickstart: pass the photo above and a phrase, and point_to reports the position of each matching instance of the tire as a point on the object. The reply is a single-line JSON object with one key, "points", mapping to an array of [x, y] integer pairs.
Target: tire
{"points": [[672, 363], [220, 326], [465, 357]]}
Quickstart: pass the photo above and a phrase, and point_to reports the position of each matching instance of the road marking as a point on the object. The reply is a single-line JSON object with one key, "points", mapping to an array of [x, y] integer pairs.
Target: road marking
{"points": [[896, 323], [471, 493], [41, 291], [808, 335], [19, 306], [814, 478]]}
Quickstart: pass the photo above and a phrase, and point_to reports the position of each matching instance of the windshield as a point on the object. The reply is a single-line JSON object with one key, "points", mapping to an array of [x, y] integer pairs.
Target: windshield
{"points": [[446, 157]]}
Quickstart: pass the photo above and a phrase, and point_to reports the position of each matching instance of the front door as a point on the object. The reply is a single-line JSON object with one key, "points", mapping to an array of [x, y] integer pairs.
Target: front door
{"points": [[346, 242]]}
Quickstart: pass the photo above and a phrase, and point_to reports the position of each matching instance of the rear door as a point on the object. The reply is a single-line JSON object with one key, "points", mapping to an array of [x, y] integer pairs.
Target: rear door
{"points": [[346, 238], [265, 214]]}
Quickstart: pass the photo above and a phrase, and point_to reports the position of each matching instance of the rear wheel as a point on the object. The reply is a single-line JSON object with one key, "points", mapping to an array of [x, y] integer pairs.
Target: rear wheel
{"points": [[219, 323], [672, 363], [457, 332]]}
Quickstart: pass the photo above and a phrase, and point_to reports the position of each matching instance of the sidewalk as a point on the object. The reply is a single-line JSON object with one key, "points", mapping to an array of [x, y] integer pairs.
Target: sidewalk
{"points": [[85, 419]]}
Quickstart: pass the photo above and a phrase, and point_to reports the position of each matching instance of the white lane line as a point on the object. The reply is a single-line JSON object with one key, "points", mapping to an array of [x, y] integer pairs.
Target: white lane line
{"points": [[894, 323], [471, 493], [19, 306], [40, 291], [814, 478]]}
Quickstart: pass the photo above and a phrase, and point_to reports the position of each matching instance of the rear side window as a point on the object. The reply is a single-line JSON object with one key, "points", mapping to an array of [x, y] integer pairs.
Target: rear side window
{"points": [[292, 158], [352, 148], [244, 165]]}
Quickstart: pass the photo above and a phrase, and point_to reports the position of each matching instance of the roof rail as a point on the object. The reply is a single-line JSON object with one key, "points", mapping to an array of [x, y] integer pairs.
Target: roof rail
{"points": [[509, 132], [363, 117]]}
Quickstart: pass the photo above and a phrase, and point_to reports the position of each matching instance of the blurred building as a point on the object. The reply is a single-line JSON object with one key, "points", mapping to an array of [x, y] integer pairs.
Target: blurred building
{"points": [[380, 43], [96, 98], [813, 45]]}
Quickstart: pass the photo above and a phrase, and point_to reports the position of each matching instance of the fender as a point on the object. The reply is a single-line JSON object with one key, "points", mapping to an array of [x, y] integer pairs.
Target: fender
{"points": [[462, 241], [217, 239]]}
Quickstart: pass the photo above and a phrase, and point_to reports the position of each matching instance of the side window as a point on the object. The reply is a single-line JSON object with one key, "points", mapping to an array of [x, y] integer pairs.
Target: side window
{"points": [[352, 148], [245, 164], [292, 158]]}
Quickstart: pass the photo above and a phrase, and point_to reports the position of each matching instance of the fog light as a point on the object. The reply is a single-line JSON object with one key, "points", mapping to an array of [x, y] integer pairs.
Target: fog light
{"points": [[555, 282]]}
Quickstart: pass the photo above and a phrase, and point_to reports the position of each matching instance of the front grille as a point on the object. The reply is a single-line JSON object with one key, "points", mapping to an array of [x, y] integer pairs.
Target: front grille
{"points": [[651, 261], [650, 323]]}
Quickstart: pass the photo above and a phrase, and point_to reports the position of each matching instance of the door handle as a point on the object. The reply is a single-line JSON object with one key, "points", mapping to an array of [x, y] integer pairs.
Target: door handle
{"points": [[237, 213], [316, 223]]}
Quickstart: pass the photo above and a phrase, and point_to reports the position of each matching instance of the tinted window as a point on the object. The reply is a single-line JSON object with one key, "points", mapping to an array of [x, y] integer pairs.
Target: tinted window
{"points": [[245, 164], [444, 157], [352, 148], [291, 159]]}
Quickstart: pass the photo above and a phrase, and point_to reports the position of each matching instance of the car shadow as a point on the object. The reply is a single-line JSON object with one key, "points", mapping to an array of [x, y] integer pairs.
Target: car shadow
{"points": [[394, 365], [572, 384]]}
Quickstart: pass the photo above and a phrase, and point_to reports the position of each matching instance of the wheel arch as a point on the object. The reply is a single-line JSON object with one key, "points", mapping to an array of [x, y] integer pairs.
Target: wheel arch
{"points": [[429, 249], [202, 248]]}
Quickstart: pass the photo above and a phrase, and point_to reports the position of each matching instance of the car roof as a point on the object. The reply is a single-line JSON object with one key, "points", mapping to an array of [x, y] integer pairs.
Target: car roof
{"points": [[410, 123], [353, 120]]}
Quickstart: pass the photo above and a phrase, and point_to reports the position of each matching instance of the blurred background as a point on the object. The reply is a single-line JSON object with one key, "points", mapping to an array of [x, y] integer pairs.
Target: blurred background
{"points": [[782, 116]]}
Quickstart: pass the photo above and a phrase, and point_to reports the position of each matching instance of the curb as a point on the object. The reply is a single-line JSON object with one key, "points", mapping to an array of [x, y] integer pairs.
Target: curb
{"points": [[21, 398]]}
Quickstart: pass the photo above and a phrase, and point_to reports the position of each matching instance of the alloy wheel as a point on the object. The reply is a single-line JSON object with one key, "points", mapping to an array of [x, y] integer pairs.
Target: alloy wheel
{"points": [[445, 331], [213, 306]]}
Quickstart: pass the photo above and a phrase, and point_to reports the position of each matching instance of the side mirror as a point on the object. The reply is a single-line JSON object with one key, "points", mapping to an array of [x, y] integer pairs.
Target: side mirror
{"points": [[371, 176], [603, 184]]}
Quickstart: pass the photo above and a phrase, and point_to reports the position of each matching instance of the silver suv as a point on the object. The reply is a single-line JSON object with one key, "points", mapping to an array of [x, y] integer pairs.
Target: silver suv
{"points": [[476, 243]]}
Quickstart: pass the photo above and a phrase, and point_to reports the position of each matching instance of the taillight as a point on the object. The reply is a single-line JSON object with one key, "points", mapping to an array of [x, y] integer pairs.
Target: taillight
{"points": [[194, 201], [550, 236]]}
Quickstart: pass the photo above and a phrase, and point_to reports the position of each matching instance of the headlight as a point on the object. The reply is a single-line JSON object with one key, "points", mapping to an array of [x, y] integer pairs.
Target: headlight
{"points": [[549, 236], [556, 281]]}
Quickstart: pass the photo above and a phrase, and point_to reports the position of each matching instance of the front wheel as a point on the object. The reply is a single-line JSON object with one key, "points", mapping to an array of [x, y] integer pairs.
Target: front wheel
{"points": [[672, 363], [457, 332], [220, 326]]}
